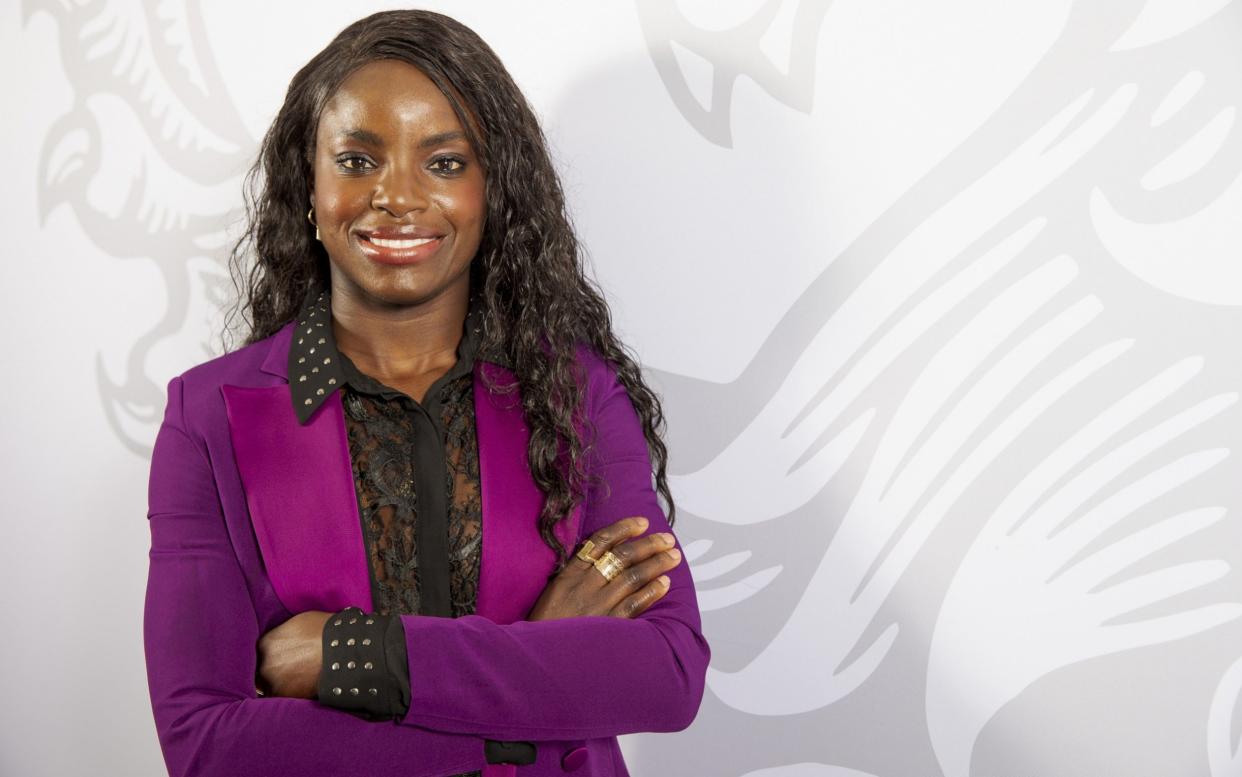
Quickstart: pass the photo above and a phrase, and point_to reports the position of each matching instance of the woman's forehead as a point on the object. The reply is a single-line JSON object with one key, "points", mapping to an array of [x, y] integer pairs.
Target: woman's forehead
{"points": [[388, 88], [383, 98]]}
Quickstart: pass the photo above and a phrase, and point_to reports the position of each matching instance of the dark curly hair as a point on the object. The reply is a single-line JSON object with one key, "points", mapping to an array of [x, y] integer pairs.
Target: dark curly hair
{"points": [[538, 304]]}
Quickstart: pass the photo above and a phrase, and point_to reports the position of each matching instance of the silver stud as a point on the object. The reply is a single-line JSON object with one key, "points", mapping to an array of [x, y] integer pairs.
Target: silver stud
{"points": [[320, 393], [307, 402], [327, 360], [331, 381], [301, 360], [334, 643], [312, 350], [308, 330], [353, 691], [336, 691], [301, 379], [300, 340], [336, 665], [349, 641], [314, 369], [366, 641], [370, 621], [353, 620], [374, 691], [336, 622], [351, 665], [312, 314], [322, 341], [368, 665]]}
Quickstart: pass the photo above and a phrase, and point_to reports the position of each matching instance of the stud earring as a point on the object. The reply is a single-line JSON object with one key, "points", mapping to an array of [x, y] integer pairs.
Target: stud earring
{"points": [[311, 220]]}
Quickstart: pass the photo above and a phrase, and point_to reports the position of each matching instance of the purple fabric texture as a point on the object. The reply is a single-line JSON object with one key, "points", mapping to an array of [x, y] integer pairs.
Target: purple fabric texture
{"points": [[254, 519]]}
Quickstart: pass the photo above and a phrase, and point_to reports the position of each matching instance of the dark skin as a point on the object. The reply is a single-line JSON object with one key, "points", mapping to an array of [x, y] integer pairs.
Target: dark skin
{"points": [[412, 165]]}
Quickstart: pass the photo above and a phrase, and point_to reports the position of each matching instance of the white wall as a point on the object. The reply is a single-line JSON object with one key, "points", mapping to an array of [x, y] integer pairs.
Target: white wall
{"points": [[944, 300]]}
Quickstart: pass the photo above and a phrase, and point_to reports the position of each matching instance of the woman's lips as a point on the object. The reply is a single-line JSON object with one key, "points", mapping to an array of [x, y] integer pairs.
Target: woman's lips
{"points": [[398, 251]]}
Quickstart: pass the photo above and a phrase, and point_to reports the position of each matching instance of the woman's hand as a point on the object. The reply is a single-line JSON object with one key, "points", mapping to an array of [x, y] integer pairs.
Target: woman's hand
{"points": [[580, 589], [291, 656]]}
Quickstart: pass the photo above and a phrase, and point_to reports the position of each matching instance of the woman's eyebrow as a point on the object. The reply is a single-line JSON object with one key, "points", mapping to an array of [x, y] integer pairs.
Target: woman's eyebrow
{"points": [[441, 137], [363, 136], [373, 139]]}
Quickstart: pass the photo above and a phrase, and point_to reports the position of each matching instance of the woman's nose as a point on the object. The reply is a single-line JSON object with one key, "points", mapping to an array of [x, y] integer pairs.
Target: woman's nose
{"points": [[398, 191]]}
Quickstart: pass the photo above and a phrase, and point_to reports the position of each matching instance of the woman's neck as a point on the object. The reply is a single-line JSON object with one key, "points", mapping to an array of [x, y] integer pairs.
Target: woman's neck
{"points": [[395, 343]]}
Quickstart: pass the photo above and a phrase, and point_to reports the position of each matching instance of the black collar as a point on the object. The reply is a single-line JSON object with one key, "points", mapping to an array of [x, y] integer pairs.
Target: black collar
{"points": [[317, 368]]}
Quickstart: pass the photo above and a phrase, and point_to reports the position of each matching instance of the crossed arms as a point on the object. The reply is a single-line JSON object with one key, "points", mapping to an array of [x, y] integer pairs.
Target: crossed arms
{"points": [[470, 678]]}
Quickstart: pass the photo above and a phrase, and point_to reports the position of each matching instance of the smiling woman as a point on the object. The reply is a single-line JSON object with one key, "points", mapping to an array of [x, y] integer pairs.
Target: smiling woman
{"points": [[369, 512], [398, 194]]}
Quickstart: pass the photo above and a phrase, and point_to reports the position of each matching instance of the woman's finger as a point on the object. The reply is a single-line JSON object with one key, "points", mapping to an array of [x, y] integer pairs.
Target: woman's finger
{"points": [[634, 578], [642, 548], [606, 538], [636, 604]]}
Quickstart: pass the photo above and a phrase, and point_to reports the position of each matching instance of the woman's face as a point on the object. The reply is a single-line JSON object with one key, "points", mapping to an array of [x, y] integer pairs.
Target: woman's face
{"points": [[392, 161]]}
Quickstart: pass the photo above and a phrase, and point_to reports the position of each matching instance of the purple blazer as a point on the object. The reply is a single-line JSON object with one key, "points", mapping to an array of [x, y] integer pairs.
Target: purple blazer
{"points": [[254, 518]]}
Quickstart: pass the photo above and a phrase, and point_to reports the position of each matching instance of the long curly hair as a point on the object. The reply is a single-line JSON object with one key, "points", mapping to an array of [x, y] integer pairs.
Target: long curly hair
{"points": [[528, 273]]}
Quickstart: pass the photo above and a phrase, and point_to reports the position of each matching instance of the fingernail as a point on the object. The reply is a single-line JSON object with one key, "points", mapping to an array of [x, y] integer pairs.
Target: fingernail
{"points": [[666, 538], [675, 554], [663, 580], [642, 524]]}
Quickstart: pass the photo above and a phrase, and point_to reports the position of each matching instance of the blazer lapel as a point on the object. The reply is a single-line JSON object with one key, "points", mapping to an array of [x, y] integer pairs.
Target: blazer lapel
{"points": [[299, 485], [516, 561], [304, 507], [300, 490]]}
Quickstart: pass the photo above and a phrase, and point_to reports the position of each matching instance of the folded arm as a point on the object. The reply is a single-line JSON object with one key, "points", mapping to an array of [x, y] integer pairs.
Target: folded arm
{"points": [[581, 677], [200, 632]]}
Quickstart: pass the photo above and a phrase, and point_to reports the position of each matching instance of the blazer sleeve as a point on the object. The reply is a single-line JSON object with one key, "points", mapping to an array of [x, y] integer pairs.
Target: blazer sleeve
{"points": [[201, 631], [583, 677]]}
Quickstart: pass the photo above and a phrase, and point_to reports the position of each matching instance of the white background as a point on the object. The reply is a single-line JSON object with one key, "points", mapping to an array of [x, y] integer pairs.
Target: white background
{"points": [[943, 299]]}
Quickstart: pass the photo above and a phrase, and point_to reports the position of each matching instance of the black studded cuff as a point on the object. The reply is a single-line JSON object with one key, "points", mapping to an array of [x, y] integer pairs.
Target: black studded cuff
{"points": [[364, 665]]}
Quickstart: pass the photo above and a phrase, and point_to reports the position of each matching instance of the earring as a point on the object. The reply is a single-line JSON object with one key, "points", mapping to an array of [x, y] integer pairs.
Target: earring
{"points": [[311, 220]]}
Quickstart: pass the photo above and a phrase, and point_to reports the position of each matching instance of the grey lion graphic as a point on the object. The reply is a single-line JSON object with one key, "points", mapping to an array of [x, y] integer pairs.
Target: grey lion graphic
{"points": [[989, 360], [149, 157]]}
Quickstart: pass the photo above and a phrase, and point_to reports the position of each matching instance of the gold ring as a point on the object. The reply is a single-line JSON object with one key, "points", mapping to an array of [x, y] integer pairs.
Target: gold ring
{"points": [[609, 566], [584, 552]]}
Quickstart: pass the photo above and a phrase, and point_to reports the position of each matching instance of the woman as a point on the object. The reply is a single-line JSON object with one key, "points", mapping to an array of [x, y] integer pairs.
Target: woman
{"points": [[430, 417]]}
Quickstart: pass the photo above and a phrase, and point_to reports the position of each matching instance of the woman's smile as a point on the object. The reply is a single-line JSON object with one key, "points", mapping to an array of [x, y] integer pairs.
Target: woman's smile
{"points": [[398, 250]]}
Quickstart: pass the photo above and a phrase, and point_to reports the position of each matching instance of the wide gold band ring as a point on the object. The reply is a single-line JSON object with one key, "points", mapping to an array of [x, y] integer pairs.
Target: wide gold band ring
{"points": [[609, 566]]}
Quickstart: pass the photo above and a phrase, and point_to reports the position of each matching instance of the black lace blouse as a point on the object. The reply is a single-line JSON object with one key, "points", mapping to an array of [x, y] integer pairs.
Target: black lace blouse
{"points": [[384, 428], [416, 473]]}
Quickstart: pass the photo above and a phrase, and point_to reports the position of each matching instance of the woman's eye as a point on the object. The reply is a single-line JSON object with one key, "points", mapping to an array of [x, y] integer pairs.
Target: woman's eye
{"points": [[345, 160], [448, 164]]}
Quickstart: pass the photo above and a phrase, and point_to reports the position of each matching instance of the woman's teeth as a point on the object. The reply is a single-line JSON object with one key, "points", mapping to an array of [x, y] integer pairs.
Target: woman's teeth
{"points": [[383, 243]]}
